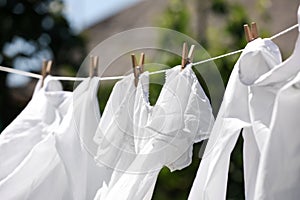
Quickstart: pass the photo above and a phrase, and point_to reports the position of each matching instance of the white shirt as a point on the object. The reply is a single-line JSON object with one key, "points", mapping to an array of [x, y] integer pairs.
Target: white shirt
{"points": [[245, 105], [42, 159], [60, 166], [75, 145], [164, 134], [279, 170], [41, 116], [34, 178], [278, 173]]}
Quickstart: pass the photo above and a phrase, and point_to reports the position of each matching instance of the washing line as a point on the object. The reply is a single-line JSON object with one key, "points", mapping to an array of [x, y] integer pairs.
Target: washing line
{"points": [[64, 78]]}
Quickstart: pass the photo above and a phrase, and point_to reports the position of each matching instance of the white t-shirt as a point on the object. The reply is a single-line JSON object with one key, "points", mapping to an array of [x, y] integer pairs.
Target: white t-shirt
{"points": [[164, 134], [245, 105], [279, 169], [75, 145], [41, 116]]}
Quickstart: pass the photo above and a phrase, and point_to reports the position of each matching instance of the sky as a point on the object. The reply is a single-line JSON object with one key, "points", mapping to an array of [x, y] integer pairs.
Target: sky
{"points": [[84, 13]]}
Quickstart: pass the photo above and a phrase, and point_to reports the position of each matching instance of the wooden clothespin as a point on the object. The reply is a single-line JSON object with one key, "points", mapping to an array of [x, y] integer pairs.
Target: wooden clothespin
{"points": [[137, 69], [251, 33], [46, 70], [186, 57], [94, 60]]}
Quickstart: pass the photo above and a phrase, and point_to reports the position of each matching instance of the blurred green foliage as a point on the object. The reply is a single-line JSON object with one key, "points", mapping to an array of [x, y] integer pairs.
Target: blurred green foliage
{"points": [[41, 25], [176, 17]]}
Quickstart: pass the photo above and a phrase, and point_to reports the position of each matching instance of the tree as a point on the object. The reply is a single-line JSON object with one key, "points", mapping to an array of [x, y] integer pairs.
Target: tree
{"points": [[33, 30]]}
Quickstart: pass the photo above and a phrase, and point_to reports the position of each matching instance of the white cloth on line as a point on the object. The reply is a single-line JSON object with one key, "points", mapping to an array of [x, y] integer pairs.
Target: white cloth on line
{"points": [[75, 145], [60, 166], [114, 134], [278, 172], [42, 159], [41, 175], [40, 117], [245, 106], [279, 167], [164, 134]]}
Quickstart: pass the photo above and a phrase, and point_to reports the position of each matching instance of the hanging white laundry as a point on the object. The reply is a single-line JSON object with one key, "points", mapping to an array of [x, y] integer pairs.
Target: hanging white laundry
{"points": [[114, 135], [41, 116], [278, 174], [75, 145], [32, 175], [42, 159], [288, 69], [62, 166], [245, 105], [164, 134]]}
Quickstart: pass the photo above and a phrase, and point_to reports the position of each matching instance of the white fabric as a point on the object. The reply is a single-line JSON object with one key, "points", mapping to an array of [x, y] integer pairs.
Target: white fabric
{"points": [[287, 69], [245, 105], [41, 116], [278, 173], [114, 135], [42, 159], [279, 165], [75, 145], [30, 180], [164, 134], [115, 131], [59, 166]]}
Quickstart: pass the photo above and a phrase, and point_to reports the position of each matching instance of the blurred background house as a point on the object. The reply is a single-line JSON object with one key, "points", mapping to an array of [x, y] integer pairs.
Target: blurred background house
{"points": [[66, 31], [272, 16]]}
